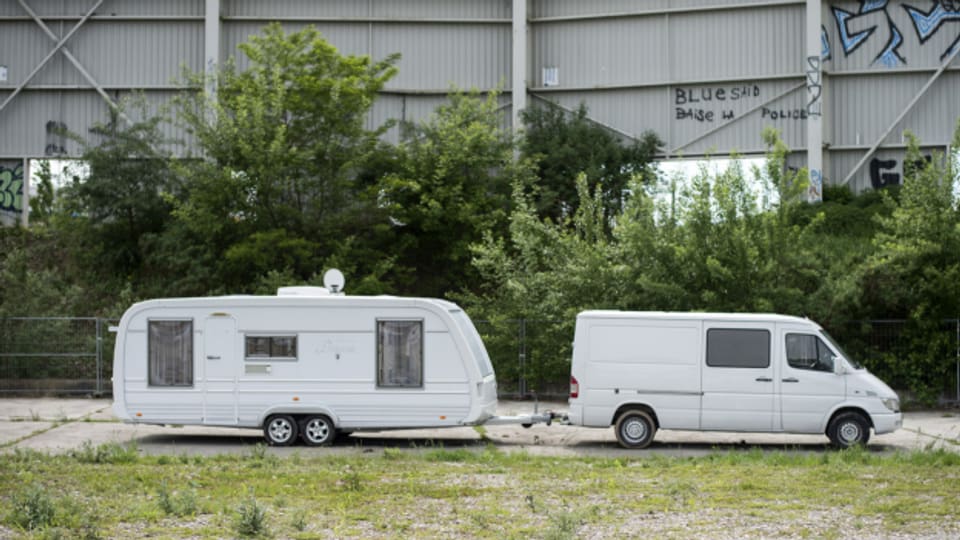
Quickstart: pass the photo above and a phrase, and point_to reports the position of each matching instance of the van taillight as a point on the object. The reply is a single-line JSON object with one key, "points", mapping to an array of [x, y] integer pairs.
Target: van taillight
{"points": [[574, 388]]}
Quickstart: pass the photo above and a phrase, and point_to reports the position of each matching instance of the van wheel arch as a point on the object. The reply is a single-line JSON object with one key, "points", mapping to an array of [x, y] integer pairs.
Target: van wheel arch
{"points": [[858, 418], [635, 407]]}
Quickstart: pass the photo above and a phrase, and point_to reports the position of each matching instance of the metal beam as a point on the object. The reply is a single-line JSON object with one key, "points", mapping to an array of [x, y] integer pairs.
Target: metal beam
{"points": [[597, 122], [49, 55], [518, 93], [903, 113], [66, 52], [666, 11], [211, 47], [814, 102]]}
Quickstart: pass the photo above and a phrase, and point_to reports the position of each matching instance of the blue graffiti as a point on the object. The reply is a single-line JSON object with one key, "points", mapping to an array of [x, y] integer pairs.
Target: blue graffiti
{"points": [[11, 188], [824, 44], [928, 23], [890, 55]]}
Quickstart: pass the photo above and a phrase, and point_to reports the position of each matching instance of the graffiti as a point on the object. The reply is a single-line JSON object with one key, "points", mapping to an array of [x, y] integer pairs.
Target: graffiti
{"points": [[56, 139], [880, 179], [11, 188], [695, 101], [783, 114], [814, 87], [856, 29], [815, 190], [884, 172], [928, 23], [825, 53], [874, 27]]}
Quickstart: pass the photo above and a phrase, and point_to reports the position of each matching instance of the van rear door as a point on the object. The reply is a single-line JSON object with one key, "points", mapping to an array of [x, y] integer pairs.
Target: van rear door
{"points": [[738, 377]]}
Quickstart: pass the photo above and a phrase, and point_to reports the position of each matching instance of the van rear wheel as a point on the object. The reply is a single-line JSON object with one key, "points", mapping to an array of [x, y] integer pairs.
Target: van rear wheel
{"points": [[280, 430], [849, 429], [317, 430], [635, 429]]}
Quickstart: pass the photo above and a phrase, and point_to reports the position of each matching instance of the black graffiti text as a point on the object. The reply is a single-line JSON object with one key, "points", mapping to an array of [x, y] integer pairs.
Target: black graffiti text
{"points": [[783, 114], [683, 96]]}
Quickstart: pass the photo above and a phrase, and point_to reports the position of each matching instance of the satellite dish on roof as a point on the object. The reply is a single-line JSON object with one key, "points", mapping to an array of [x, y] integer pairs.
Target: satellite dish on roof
{"points": [[333, 280]]}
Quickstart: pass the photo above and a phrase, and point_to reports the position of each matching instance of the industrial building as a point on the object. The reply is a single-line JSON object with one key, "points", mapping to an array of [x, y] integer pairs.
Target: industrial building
{"points": [[842, 80]]}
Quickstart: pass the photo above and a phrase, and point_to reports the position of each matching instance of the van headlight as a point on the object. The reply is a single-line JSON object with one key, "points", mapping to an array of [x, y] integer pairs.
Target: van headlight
{"points": [[891, 403]]}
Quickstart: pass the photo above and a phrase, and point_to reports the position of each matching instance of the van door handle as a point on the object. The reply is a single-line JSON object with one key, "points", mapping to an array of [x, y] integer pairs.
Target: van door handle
{"points": [[212, 357], [764, 379], [791, 379]]}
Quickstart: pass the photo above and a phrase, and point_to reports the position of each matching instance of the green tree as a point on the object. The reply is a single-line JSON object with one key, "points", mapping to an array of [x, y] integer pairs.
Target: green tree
{"points": [[567, 144], [41, 204], [281, 147], [452, 186]]}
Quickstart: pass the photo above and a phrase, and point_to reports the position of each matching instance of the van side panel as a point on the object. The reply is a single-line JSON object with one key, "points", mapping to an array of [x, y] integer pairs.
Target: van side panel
{"points": [[642, 362]]}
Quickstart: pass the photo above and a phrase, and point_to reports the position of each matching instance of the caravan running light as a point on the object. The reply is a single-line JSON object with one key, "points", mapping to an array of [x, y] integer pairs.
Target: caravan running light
{"points": [[574, 388]]}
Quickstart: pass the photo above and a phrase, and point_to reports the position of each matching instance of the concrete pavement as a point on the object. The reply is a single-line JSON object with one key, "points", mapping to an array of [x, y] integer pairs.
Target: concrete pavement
{"points": [[59, 425]]}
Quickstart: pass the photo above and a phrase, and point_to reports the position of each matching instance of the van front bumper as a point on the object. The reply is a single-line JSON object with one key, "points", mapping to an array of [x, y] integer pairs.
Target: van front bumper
{"points": [[886, 423]]}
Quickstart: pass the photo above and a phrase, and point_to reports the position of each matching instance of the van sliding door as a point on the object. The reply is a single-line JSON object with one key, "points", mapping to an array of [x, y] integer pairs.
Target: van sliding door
{"points": [[738, 387]]}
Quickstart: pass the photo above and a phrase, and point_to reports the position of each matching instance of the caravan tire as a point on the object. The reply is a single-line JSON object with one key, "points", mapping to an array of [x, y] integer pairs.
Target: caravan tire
{"points": [[849, 429], [317, 430], [635, 429], [280, 430]]}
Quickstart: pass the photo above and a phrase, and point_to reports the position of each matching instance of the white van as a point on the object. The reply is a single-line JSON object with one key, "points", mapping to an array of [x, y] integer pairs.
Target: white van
{"points": [[305, 362], [643, 371]]}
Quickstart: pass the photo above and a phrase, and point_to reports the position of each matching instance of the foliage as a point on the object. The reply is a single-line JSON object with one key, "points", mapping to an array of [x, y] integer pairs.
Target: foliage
{"points": [[452, 185], [565, 145]]}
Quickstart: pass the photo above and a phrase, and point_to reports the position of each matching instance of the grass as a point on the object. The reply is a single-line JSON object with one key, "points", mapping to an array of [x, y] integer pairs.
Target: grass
{"points": [[478, 492]]}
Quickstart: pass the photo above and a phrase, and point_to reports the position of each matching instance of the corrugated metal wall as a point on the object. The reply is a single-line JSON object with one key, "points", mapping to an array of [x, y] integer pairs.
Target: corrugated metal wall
{"points": [[706, 75]]}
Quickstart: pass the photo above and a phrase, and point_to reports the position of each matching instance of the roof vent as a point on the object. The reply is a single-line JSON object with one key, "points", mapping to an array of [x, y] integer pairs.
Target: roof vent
{"points": [[303, 290]]}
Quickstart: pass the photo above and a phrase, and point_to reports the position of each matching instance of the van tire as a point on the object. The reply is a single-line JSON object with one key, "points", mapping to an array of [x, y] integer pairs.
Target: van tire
{"points": [[317, 430], [849, 429], [635, 429], [280, 430]]}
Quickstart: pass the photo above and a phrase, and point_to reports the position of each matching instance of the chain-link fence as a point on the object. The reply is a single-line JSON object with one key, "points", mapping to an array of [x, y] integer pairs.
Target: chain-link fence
{"points": [[59, 355]]}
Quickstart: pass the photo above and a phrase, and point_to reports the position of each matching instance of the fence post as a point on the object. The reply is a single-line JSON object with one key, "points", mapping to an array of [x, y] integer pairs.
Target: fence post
{"points": [[522, 357], [99, 391], [957, 321]]}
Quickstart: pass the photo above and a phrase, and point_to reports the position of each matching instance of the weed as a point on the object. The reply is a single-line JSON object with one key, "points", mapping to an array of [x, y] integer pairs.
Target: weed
{"points": [[251, 518], [299, 520], [183, 503], [352, 481], [260, 456], [114, 453], [33, 508], [563, 525], [35, 416]]}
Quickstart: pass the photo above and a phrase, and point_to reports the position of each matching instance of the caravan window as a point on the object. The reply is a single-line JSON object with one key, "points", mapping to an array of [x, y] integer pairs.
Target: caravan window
{"points": [[271, 347], [170, 353], [738, 348], [400, 354]]}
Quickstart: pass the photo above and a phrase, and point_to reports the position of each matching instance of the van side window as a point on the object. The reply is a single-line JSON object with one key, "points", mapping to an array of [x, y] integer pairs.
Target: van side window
{"points": [[270, 347], [805, 351], [400, 354], [738, 348], [170, 353]]}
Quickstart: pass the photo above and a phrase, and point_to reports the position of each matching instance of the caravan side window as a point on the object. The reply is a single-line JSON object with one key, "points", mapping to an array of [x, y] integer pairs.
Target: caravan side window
{"points": [[170, 353], [271, 348], [400, 354], [738, 348]]}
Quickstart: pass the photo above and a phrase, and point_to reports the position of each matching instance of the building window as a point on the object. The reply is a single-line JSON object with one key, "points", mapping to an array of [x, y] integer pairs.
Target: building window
{"points": [[271, 348], [400, 354], [738, 348], [170, 353], [805, 351]]}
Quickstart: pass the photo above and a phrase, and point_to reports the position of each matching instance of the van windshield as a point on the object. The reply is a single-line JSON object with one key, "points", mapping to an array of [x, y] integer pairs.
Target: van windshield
{"points": [[473, 341], [836, 347]]}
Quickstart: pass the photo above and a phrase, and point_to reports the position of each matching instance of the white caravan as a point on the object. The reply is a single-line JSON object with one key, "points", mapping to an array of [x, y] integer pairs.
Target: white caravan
{"points": [[643, 371], [305, 362]]}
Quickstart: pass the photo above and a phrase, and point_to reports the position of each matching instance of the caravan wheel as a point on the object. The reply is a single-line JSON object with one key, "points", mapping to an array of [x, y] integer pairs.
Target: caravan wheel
{"points": [[280, 430], [317, 431]]}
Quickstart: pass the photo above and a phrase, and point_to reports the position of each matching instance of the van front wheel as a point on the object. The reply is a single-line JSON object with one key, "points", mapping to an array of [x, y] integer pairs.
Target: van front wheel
{"points": [[635, 429], [849, 429]]}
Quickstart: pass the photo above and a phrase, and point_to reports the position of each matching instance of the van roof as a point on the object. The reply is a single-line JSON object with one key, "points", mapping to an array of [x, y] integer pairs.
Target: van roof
{"points": [[693, 315]]}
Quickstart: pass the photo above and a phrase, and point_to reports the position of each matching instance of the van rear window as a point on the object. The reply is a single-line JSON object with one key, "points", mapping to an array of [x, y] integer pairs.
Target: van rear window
{"points": [[738, 348]]}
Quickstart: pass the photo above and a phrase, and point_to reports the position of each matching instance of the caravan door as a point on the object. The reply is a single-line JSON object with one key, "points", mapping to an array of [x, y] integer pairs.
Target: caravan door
{"points": [[220, 366]]}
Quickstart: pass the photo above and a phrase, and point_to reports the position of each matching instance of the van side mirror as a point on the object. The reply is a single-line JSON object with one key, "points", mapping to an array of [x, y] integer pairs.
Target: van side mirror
{"points": [[838, 365]]}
